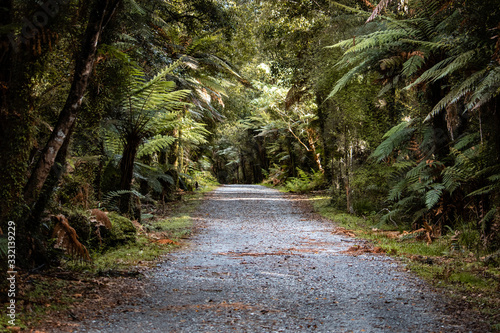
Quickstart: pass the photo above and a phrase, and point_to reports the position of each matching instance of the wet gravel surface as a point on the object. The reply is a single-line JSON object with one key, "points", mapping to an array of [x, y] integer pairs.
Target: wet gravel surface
{"points": [[259, 263]]}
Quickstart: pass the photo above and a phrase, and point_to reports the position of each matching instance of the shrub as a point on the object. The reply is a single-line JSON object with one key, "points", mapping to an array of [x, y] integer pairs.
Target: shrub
{"points": [[305, 182]]}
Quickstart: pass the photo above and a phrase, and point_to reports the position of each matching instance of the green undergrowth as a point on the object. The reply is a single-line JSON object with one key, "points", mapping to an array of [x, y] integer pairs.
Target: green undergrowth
{"points": [[38, 298], [55, 290], [303, 183], [159, 236], [452, 267]]}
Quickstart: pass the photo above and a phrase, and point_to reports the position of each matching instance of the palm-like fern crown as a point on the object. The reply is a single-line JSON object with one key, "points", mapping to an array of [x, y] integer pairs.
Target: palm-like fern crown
{"points": [[146, 100], [427, 46], [148, 109]]}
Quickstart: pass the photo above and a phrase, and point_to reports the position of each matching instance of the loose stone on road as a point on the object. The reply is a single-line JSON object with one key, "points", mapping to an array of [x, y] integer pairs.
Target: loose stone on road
{"points": [[259, 264]]}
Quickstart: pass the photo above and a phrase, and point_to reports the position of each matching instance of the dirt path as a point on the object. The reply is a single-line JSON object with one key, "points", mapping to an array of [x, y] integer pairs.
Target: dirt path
{"points": [[259, 264]]}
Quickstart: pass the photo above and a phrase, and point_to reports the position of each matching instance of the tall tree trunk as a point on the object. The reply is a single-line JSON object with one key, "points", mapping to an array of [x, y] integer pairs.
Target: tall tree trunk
{"points": [[100, 15], [348, 165], [243, 170], [127, 170], [16, 123]]}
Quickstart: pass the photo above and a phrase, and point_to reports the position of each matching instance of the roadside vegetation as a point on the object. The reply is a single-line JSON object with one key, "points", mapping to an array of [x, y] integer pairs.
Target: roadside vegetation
{"points": [[452, 263], [102, 281], [112, 110]]}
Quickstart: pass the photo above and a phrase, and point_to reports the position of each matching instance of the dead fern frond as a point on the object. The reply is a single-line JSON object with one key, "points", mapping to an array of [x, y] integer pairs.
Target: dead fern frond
{"points": [[378, 9], [100, 218], [67, 239], [415, 147]]}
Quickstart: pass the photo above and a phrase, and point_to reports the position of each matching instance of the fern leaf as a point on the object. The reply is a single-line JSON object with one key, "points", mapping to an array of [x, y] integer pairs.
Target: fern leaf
{"points": [[488, 217], [378, 38], [488, 89], [426, 45], [483, 190], [432, 72], [451, 178], [397, 190], [413, 64], [347, 78], [393, 139], [114, 195], [433, 196], [456, 94], [155, 145]]}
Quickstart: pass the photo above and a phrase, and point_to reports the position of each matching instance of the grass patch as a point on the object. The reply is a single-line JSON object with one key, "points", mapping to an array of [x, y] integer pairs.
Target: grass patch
{"points": [[142, 252]]}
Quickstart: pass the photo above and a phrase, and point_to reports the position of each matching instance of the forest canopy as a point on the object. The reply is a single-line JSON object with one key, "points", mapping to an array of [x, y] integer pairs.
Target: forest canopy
{"points": [[391, 107]]}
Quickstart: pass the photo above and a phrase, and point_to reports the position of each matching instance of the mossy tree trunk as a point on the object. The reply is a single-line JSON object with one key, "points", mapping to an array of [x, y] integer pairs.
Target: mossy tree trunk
{"points": [[18, 65], [84, 67]]}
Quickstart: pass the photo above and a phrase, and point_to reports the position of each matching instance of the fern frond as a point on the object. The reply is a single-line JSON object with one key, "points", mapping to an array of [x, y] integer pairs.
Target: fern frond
{"points": [[452, 177], [466, 140], [351, 10], [459, 62], [432, 72], [155, 145], [417, 172], [483, 190], [434, 195], [111, 196], [456, 94], [487, 89], [412, 65], [488, 217], [397, 190], [348, 77], [392, 62], [403, 165], [427, 45], [134, 7], [393, 139]]}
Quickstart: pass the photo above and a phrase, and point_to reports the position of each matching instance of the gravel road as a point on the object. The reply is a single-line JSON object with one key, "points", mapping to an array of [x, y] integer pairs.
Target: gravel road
{"points": [[259, 263]]}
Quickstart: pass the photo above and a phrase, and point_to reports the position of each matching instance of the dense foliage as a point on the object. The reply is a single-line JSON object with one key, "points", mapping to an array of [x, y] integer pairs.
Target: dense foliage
{"points": [[392, 107]]}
